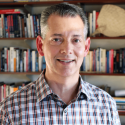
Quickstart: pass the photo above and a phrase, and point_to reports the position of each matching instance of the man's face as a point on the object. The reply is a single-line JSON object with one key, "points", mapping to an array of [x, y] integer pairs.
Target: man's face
{"points": [[64, 45]]}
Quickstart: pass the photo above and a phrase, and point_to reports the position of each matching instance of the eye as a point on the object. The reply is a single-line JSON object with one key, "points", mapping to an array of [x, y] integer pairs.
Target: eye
{"points": [[76, 40], [56, 39]]}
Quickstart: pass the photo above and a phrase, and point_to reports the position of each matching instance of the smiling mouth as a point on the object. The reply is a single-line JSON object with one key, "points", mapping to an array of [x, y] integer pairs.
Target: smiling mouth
{"points": [[66, 61]]}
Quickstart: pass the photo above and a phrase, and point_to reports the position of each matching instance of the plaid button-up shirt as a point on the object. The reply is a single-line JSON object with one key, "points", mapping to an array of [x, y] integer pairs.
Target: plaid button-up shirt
{"points": [[36, 104]]}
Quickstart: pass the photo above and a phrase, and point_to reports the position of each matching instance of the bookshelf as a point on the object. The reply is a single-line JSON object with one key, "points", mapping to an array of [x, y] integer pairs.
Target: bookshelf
{"points": [[86, 2]]}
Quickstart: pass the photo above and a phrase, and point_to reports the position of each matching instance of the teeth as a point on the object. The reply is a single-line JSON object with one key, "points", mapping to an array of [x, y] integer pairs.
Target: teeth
{"points": [[66, 61]]}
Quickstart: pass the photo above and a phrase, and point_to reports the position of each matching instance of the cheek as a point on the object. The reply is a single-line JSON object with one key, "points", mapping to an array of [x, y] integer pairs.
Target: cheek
{"points": [[51, 52], [80, 52]]}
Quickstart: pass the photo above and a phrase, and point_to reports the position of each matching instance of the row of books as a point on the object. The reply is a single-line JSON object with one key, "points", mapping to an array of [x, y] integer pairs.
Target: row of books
{"points": [[7, 89], [106, 61], [120, 101], [15, 23], [92, 21], [21, 60]]}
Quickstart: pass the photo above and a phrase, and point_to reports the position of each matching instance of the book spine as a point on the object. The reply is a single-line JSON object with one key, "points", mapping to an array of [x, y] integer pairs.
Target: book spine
{"points": [[27, 60], [0, 27], [107, 55], [33, 61], [120, 61], [8, 60], [32, 31], [20, 26], [4, 91], [5, 59], [44, 63], [24, 61], [115, 66], [112, 60], [93, 21], [40, 63], [17, 60], [23, 27], [36, 61], [3, 28], [11, 59], [21, 61], [12, 26], [29, 25], [90, 23], [14, 60], [35, 25], [38, 26], [2, 60], [124, 60], [6, 28]]}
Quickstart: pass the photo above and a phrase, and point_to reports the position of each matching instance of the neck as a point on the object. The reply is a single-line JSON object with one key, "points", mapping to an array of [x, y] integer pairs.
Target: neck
{"points": [[65, 87]]}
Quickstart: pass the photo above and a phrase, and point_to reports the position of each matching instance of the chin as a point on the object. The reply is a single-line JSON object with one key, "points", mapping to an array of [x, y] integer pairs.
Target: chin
{"points": [[67, 73]]}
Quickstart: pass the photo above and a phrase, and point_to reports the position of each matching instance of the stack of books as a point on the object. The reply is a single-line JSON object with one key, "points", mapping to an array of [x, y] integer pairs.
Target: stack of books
{"points": [[120, 103]]}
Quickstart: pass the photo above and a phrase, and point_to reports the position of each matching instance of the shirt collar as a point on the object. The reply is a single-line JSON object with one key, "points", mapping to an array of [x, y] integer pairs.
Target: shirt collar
{"points": [[43, 89], [85, 88]]}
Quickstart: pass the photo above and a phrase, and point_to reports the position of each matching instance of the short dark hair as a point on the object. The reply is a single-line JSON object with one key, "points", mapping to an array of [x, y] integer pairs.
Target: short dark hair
{"points": [[62, 9]]}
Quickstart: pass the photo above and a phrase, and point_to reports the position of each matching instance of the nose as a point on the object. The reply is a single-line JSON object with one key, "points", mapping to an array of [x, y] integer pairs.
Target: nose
{"points": [[66, 48]]}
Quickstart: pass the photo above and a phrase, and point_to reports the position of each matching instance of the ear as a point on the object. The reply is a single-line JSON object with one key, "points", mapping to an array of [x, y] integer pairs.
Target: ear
{"points": [[87, 46], [39, 45]]}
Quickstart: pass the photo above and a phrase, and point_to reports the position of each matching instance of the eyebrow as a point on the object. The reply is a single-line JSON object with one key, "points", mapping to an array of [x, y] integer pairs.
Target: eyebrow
{"points": [[57, 34], [77, 35], [62, 35]]}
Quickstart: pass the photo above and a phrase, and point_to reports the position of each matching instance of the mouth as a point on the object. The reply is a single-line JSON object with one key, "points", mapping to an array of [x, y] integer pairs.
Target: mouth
{"points": [[65, 61]]}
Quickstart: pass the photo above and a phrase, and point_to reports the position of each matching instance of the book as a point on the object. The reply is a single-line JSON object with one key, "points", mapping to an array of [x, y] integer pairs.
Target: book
{"points": [[123, 60], [117, 60], [33, 61], [120, 61], [3, 26], [90, 24], [115, 65], [5, 59], [11, 11], [17, 59], [11, 59], [93, 21], [111, 61], [119, 93], [119, 100], [107, 55]]}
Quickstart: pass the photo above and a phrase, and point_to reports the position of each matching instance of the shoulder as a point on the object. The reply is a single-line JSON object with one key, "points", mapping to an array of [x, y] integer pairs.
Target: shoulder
{"points": [[98, 94], [17, 95]]}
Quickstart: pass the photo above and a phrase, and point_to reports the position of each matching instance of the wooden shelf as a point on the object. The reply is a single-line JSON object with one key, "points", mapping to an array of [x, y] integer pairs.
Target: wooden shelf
{"points": [[102, 74], [20, 73], [21, 4], [121, 112], [81, 73], [23, 38], [107, 37]]}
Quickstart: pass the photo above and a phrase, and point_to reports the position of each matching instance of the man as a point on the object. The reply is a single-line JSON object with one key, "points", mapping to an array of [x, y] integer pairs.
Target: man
{"points": [[60, 96]]}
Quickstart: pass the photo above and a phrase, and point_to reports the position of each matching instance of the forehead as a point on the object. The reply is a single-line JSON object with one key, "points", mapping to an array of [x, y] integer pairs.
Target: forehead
{"points": [[65, 24]]}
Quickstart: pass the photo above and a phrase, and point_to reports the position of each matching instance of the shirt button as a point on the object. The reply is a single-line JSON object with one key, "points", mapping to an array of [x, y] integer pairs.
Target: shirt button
{"points": [[65, 111]]}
